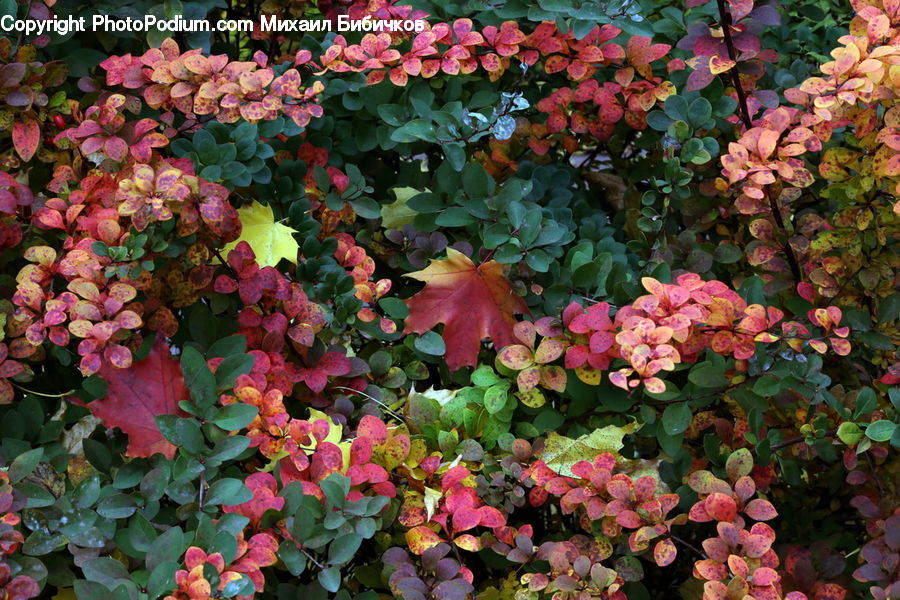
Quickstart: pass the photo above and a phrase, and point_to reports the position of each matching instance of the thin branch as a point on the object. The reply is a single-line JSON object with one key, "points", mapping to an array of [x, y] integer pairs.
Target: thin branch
{"points": [[21, 37], [688, 545], [202, 492], [797, 440], [787, 442], [789, 252], [43, 395], [871, 463], [373, 399], [725, 22], [310, 557]]}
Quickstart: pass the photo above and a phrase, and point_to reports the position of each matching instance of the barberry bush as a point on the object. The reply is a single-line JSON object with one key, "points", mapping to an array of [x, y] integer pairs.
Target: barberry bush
{"points": [[538, 300]]}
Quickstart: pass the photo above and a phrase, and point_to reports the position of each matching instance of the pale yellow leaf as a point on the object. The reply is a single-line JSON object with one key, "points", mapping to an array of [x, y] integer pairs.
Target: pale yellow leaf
{"points": [[432, 498]]}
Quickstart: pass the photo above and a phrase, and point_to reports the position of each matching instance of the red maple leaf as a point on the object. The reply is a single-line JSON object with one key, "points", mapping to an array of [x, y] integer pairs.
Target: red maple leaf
{"points": [[135, 396], [473, 303]]}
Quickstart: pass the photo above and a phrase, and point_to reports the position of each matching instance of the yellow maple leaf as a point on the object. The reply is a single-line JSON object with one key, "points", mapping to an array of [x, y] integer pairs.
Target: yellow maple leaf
{"points": [[269, 240]]}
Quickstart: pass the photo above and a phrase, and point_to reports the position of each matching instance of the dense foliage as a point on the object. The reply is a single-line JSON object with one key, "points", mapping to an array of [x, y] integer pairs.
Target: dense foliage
{"points": [[552, 299]]}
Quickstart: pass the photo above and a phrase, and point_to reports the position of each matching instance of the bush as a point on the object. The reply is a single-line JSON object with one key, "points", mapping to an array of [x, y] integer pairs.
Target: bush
{"points": [[547, 299]]}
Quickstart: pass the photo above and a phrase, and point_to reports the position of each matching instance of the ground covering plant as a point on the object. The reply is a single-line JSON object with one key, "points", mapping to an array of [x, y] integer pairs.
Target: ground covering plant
{"points": [[551, 299]]}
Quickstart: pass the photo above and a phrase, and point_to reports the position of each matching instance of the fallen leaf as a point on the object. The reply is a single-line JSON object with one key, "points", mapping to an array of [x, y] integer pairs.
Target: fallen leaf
{"points": [[137, 395], [269, 240], [473, 302], [561, 452], [397, 214], [73, 437]]}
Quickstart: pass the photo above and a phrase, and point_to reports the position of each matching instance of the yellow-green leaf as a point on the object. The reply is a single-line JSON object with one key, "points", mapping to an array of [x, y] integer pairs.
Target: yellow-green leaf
{"points": [[534, 398], [560, 452], [269, 240], [397, 214]]}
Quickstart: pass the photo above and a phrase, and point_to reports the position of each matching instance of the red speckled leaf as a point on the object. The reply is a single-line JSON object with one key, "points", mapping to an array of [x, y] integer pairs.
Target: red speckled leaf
{"points": [[644, 488], [840, 347], [744, 487], [715, 590], [265, 490], [465, 518], [716, 549], [698, 513], [664, 552], [765, 576], [760, 510], [756, 545], [711, 570], [629, 519], [491, 517], [26, 136], [828, 591], [372, 428], [553, 378], [642, 52], [721, 507], [516, 357], [137, 395]]}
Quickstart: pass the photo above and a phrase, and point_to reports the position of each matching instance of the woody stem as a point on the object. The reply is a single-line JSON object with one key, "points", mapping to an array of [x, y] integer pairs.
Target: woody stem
{"points": [[725, 22]]}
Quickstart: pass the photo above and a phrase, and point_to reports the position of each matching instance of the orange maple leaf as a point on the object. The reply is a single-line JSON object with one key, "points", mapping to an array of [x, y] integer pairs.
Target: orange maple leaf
{"points": [[473, 303]]}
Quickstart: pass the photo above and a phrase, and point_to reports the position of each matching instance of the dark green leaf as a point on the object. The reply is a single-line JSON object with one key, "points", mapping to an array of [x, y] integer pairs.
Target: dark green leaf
{"points": [[676, 418], [880, 431], [24, 464], [235, 417], [343, 548], [169, 545]]}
